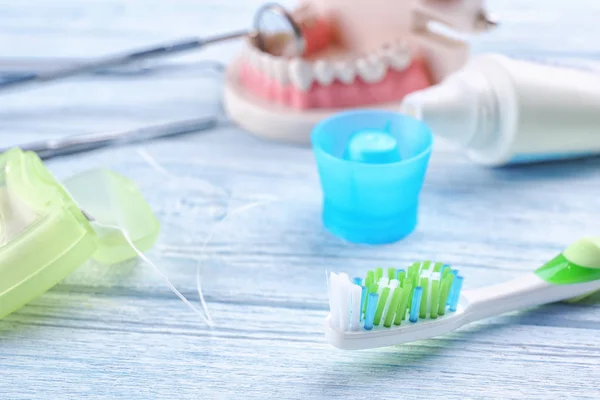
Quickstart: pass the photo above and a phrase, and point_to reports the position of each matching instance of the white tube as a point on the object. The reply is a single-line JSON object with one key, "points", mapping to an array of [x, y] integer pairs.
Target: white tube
{"points": [[504, 111]]}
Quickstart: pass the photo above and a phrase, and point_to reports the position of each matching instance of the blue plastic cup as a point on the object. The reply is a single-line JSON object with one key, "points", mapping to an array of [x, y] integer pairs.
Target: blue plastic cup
{"points": [[371, 165]]}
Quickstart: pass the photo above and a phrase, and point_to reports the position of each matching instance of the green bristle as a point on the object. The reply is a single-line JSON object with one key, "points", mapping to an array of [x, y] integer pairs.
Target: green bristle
{"points": [[413, 269], [389, 318], [415, 281], [401, 310], [364, 310], [391, 273], [446, 272], [381, 305], [425, 265], [409, 300], [368, 283], [438, 267], [435, 297], [374, 288], [423, 309], [370, 279], [397, 318], [378, 274], [401, 275], [445, 290]]}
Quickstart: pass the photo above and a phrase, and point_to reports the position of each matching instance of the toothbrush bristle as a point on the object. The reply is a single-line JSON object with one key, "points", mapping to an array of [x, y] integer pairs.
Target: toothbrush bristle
{"points": [[424, 290]]}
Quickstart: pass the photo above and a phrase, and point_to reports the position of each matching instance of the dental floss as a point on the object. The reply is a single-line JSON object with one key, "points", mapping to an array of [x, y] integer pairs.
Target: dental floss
{"points": [[239, 210], [505, 111], [205, 316], [154, 164]]}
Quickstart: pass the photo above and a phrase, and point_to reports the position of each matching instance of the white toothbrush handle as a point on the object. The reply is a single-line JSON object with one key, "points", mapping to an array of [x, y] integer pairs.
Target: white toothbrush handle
{"points": [[523, 292]]}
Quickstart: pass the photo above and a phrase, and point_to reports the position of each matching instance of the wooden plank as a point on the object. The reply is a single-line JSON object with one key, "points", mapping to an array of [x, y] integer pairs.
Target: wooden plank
{"points": [[118, 332]]}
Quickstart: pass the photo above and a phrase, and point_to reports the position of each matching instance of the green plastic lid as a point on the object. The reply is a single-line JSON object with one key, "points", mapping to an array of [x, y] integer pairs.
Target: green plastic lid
{"points": [[44, 235], [578, 263], [114, 200]]}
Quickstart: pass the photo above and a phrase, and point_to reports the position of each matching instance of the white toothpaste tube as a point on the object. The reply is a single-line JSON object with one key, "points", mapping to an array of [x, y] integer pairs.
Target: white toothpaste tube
{"points": [[506, 111]]}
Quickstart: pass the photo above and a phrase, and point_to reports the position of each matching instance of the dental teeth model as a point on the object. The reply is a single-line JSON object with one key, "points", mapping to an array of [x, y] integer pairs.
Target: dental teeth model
{"points": [[364, 54]]}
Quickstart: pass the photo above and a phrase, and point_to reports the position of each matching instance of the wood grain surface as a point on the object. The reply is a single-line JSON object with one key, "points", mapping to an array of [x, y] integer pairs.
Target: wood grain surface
{"points": [[118, 332]]}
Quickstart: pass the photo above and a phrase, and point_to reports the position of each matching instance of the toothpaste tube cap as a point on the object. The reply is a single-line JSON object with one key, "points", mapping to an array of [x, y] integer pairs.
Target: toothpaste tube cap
{"points": [[371, 165]]}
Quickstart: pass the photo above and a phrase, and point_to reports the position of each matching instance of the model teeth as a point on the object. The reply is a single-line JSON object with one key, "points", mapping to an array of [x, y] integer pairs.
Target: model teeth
{"points": [[371, 69], [324, 72], [397, 57], [280, 69], [300, 74], [267, 64], [253, 56], [345, 72]]}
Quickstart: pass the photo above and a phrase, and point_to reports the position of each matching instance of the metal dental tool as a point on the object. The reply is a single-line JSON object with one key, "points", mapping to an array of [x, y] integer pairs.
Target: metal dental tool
{"points": [[77, 144], [269, 20]]}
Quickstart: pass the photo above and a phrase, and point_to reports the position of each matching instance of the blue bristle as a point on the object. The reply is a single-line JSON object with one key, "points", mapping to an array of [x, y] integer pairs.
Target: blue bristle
{"points": [[456, 286], [357, 281], [371, 308], [416, 304], [363, 298], [451, 292]]}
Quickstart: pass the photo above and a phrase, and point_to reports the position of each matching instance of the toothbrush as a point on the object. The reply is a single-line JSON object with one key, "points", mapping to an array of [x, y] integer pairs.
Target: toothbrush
{"points": [[390, 307]]}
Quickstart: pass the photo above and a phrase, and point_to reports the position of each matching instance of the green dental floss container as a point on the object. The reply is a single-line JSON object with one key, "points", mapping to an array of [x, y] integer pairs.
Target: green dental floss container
{"points": [[45, 235]]}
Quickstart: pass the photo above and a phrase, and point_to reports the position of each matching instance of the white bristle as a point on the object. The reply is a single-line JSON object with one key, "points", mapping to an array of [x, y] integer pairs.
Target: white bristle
{"points": [[434, 275], [394, 283], [344, 301], [328, 282], [333, 299], [428, 299], [356, 293], [426, 273]]}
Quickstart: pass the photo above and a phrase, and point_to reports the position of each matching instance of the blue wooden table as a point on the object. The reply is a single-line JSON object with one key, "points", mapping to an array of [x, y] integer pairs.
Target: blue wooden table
{"points": [[118, 332]]}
